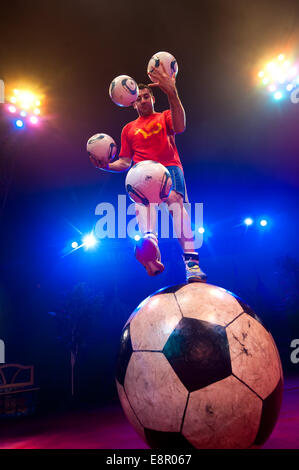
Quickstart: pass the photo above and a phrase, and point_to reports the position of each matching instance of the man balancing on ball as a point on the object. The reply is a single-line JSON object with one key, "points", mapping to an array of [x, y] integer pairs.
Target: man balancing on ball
{"points": [[151, 137]]}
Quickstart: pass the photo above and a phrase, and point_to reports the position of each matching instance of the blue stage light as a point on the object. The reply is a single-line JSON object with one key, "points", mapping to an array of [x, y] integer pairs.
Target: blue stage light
{"points": [[75, 245], [201, 230], [19, 123], [89, 241], [263, 222], [248, 221], [137, 238]]}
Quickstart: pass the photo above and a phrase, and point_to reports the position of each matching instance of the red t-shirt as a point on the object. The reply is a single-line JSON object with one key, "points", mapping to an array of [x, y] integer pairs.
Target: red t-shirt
{"points": [[151, 138]]}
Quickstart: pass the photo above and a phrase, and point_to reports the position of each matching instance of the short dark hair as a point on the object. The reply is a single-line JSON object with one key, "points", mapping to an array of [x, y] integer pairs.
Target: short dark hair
{"points": [[142, 86]]}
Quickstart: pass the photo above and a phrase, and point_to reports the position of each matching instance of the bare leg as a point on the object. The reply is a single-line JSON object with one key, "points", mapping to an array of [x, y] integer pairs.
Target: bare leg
{"points": [[182, 227], [146, 217], [181, 222]]}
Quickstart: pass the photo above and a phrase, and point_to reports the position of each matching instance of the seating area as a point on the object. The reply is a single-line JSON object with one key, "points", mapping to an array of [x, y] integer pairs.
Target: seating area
{"points": [[18, 393]]}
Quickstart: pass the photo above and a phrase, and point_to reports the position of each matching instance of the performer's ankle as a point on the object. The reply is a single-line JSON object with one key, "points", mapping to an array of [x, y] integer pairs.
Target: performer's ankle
{"points": [[191, 255]]}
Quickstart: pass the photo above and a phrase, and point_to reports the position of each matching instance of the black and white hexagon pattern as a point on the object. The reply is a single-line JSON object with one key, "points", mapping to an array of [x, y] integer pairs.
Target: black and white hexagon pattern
{"points": [[196, 368]]}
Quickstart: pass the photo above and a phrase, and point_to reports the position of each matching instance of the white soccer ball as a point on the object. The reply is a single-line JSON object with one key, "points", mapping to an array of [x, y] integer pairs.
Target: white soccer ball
{"points": [[168, 61], [123, 90], [148, 182], [102, 147]]}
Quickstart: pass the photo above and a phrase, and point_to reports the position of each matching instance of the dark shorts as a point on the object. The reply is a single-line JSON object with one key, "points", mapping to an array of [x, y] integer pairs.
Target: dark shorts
{"points": [[178, 181]]}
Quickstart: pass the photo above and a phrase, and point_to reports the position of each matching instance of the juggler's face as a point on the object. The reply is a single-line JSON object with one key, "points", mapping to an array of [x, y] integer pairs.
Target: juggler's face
{"points": [[144, 104]]}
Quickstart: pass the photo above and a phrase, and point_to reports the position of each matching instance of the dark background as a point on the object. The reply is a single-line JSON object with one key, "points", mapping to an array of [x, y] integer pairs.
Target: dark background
{"points": [[239, 152]]}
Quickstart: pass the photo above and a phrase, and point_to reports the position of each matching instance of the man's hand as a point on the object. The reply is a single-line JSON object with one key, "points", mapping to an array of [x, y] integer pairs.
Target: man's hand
{"points": [[162, 79], [167, 84], [98, 163]]}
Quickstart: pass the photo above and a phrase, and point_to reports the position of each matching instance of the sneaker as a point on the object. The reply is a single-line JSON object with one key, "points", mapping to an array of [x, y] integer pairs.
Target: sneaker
{"points": [[193, 271], [148, 254]]}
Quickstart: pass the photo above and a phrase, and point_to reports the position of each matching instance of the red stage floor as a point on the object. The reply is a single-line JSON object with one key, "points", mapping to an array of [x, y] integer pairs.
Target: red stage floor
{"points": [[108, 428]]}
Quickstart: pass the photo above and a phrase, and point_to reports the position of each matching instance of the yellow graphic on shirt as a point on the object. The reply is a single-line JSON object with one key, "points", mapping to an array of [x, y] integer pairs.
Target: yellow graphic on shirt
{"points": [[147, 131]]}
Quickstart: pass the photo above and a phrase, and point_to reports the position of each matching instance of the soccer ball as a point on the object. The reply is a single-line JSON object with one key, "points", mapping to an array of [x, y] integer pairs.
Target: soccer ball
{"points": [[123, 90], [197, 369], [148, 182], [102, 147], [168, 61]]}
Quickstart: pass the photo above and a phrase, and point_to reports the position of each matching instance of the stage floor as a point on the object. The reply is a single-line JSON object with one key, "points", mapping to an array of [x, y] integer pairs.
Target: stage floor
{"points": [[108, 428]]}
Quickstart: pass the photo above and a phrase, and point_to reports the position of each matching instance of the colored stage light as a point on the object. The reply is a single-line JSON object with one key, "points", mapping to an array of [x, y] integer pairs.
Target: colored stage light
{"points": [[278, 95], [89, 241], [23, 104], [293, 71], [201, 230], [75, 245], [271, 66], [26, 99], [263, 222], [279, 74], [248, 221], [33, 120], [137, 238]]}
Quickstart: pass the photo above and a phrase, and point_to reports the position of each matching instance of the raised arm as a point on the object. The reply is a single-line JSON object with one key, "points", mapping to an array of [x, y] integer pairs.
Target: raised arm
{"points": [[167, 84]]}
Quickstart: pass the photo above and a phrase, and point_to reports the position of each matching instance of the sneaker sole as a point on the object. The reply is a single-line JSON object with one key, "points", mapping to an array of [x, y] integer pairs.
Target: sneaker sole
{"points": [[197, 279], [147, 254]]}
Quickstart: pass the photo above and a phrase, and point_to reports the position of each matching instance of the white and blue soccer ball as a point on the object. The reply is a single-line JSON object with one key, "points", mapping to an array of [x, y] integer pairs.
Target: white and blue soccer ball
{"points": [[123, 90], [102, 147], [168, 60], [148, 182]]}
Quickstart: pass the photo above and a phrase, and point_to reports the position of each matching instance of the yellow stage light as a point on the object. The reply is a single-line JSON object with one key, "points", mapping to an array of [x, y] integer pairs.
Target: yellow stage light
{"points": [[26, 100], [271, 66]]}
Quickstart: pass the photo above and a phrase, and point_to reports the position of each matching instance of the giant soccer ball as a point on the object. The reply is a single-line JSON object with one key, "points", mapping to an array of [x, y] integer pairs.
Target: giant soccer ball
{"points": [[123, 90], [197, 369], [148, 182], [168, 60]]}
